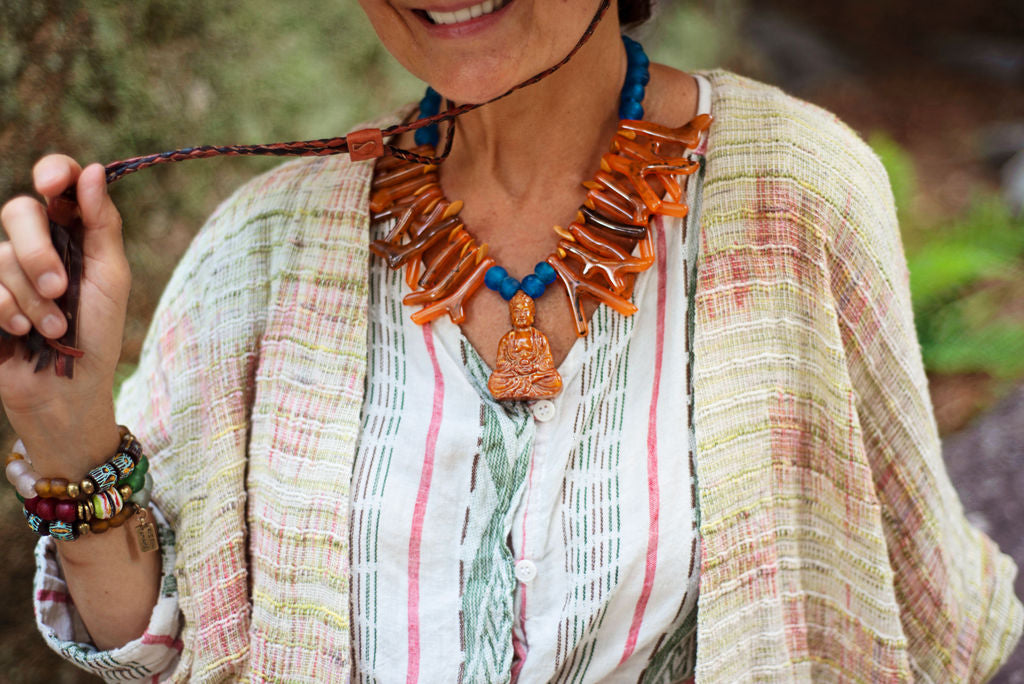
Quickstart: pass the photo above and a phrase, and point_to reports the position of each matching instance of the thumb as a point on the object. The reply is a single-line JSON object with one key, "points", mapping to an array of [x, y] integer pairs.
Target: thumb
{"points": [[102, 236]]}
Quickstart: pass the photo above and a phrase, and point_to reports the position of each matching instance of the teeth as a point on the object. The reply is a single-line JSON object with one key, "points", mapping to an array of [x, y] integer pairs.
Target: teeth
{"points": [[485, 7]]}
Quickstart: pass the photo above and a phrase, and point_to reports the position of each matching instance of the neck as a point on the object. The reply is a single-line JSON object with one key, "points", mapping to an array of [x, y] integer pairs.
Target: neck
{"points": [[554, 129]]}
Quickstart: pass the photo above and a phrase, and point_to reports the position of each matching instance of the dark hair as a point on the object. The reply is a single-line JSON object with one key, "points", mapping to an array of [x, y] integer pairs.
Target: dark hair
{"points": [[634, 11]]}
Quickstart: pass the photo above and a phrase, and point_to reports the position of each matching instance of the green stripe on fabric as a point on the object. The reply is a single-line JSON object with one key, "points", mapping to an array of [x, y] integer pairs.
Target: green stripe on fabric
{"points": [[505, 447]]}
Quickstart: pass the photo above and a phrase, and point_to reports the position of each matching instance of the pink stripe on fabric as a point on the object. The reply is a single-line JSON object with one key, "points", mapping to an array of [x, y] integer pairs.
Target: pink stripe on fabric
{"points": [[162, 640], [53, 596], [653, 495], [419, 512], [518, 647]]}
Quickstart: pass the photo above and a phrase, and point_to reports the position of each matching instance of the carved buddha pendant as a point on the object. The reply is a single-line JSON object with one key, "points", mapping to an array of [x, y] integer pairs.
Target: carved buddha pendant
{"points": [[525, 368]]}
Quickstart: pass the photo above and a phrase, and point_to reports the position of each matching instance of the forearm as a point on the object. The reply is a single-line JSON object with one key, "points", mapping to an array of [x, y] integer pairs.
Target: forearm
{"points": [[114, 585]]}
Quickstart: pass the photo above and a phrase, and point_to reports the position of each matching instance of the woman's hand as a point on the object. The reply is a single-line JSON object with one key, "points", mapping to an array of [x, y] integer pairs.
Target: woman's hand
{"points": [[67, 425]]}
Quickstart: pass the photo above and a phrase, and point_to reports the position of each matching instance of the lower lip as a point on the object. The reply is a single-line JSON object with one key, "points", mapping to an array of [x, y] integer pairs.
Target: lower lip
{"points": [[465, 28]]}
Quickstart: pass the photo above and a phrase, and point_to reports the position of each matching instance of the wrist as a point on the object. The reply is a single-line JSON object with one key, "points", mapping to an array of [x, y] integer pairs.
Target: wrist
{"points": [[68, 451]]}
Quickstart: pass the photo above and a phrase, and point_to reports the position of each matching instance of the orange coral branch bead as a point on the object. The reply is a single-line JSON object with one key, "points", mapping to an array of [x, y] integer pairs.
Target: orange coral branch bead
{"points": [[574, 287], [380, 199], [447, 283], [454, 303], [412, 272], [419, 206], [400, 174], [397, 255], [687, 135], [445, 259]]}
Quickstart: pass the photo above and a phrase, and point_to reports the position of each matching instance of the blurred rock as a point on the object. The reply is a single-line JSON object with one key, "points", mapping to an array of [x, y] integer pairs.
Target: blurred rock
{"points": [[986, 463], [984, 56], [1012, 181], [998, 142], [794, 55]]}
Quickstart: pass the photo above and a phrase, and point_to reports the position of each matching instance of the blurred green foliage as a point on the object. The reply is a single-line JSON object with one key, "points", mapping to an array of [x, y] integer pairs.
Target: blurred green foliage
{"points": [[966, 277]]}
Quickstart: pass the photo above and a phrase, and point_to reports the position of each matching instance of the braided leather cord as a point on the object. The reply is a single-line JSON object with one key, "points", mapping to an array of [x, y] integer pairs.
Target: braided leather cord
{"points": [[329, 146], [62, 353]]}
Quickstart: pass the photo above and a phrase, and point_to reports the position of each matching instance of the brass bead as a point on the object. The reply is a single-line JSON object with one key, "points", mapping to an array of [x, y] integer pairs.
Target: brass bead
{"points": [[84, 528], [73, 490], [125, 491], [87, 487]]}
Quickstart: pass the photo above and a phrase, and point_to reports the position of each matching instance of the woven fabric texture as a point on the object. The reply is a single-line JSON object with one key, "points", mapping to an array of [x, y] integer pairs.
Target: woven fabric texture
{"points": [[834, 547]]}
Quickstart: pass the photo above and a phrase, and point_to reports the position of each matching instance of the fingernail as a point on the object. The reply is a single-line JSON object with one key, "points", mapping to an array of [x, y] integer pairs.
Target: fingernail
{"points": [[19, 322], [49, 284], [52, 326]]}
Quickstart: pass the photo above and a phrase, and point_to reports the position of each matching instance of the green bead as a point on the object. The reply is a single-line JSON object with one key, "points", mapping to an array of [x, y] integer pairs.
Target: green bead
{"points": [[142, 466], [136, 479], [20, 497]]}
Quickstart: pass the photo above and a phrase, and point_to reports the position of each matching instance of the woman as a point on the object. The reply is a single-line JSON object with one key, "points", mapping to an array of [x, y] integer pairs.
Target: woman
{"points": [[340, 496]]}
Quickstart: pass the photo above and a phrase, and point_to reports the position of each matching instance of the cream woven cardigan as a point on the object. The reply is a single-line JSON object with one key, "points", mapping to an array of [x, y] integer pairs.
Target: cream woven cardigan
{"points": [[834, 546]]}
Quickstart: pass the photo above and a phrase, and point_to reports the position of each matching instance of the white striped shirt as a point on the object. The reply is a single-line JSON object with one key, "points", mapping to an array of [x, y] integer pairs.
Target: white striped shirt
{"points": [[545, 541]]}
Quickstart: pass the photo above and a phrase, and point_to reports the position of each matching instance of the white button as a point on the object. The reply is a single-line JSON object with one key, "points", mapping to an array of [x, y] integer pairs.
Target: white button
{"points": [[543, 410], [525, 571]]}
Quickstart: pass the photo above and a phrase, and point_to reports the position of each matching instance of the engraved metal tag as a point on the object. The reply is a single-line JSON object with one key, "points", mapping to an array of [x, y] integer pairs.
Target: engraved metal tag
{"points": [[145, 532]]}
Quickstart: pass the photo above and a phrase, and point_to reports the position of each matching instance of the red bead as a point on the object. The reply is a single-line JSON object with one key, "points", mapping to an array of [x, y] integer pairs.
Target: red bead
{"points": [[30, 504], [65, 511], [45, 509]]}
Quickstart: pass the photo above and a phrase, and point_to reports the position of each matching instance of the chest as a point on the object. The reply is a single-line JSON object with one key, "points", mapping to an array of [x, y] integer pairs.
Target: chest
{"points": [[516, 529]]}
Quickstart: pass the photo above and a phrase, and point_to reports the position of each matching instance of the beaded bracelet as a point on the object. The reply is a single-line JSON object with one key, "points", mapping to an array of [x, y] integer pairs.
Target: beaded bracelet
{"points": [[70, 531], [105, 498], [101, 478]]}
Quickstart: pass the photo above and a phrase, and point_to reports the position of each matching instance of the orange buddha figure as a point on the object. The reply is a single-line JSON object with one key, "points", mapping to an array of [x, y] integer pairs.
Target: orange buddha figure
{"points": [[525, 368]]}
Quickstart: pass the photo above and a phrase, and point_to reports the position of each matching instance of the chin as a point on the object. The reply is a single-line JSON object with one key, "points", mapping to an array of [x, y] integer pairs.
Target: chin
{"points": [[476, 83]]}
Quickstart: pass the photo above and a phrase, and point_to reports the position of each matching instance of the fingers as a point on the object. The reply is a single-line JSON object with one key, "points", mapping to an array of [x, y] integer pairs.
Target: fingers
{"points": [[55, 173], [102, 238], [52, 176], [26, 224], [19, 300]]}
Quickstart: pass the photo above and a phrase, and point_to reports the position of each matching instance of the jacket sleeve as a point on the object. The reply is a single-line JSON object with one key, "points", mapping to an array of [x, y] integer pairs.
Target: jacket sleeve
{"points": [[955, 589], [218, 282]]}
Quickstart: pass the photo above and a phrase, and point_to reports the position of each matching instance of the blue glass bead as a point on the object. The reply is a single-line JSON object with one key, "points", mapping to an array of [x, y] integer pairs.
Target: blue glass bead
{"points": [[631, 110], [427, 135], [633, 91], [432, 98], [509, 287], [545, 272], [495, 277], [533, 286], [638, 74]]}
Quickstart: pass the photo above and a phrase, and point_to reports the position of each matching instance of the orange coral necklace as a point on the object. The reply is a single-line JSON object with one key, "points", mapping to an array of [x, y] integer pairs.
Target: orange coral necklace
{"points": [[587, 261]]}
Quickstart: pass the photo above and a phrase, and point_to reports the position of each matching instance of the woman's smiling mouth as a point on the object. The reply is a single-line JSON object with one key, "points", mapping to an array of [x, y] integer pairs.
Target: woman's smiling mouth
{"points": [[463, 15]]}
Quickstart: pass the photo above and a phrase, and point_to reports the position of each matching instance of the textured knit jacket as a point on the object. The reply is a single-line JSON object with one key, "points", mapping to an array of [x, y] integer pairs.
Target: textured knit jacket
{"points": [[833, 544]]}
